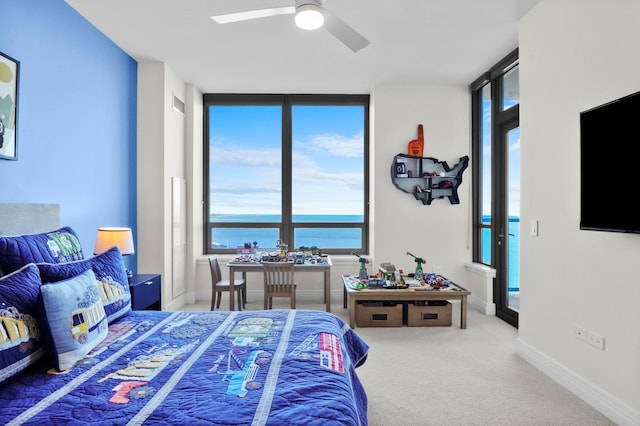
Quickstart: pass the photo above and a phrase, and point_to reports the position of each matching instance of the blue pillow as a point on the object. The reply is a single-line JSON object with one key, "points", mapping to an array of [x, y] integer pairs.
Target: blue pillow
{"points": [[61, 245], [20, 342], [110, 273], [72, 317]]}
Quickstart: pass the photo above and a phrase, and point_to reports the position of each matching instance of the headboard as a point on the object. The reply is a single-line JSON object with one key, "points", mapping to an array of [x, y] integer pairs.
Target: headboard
{"points": [[28, 218]]}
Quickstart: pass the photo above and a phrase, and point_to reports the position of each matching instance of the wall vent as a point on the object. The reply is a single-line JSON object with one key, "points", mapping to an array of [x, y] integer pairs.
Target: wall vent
{"points": [[178, 104]]}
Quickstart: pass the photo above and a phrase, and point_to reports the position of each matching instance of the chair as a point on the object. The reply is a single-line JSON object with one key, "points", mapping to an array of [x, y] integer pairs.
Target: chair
{"points": [[218, 285], [278, 282]]}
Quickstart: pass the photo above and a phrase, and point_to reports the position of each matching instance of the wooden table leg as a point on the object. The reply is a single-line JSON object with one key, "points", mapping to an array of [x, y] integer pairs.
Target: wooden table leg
{"points": [[327, 289], [344, 297], [463, 312], [244, 295], [232, 275], [352, 312]]}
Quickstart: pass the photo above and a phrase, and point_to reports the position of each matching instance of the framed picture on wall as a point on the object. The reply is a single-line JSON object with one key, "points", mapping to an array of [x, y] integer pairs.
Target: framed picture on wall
{"points": [[9, 71]]}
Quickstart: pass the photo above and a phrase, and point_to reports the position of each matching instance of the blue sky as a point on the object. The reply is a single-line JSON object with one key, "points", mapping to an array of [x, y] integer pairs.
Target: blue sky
{"points": [[514, 165], [328, 151]]}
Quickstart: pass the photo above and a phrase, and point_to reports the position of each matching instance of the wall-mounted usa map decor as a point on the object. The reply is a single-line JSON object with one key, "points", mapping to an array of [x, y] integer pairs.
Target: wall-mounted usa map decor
{"points": [[428, 178]]}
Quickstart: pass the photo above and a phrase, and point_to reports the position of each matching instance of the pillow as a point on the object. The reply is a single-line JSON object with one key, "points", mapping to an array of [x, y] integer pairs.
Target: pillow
{"points": [[61, 245], [72, 317], [20, 342], [110, 273]]}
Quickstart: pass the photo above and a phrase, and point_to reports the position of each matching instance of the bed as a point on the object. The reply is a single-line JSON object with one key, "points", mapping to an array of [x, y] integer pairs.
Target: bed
{"points": [[73, 352]]}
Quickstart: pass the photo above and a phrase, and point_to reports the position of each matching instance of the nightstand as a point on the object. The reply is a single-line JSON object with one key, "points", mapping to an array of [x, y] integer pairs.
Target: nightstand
{"points": [[145, 292]]}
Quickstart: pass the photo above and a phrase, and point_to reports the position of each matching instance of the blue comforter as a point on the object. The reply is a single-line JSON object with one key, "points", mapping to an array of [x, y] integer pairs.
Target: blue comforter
{"points": [[233, 368]]}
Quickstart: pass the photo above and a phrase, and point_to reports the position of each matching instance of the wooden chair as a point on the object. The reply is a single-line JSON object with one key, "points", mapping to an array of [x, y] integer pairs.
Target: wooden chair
{"points": [[279, 282], [218, 285]]}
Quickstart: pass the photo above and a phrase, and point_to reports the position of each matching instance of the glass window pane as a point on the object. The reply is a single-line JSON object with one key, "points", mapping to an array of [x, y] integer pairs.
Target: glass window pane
{"points": [[513, 208], [328, 163], [328, 238], [485, 195], [264, 238], [511, 88], [245, 149], [264, 177], [486, 246], [334, 218]]}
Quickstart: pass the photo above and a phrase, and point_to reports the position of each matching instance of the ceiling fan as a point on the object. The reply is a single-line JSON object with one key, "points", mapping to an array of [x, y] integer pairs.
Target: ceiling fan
{"points": [[310, 15]]}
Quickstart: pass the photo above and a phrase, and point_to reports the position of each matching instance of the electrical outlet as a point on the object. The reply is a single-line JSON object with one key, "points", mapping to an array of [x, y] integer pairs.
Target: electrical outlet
{"points": [[580, 333], [595, 340]]}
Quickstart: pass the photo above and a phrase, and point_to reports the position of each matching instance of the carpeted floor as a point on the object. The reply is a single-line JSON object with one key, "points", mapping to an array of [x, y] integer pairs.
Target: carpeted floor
{"points": [[446, 376]]}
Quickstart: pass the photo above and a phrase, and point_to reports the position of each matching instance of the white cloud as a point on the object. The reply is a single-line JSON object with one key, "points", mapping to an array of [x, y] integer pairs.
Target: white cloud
{"points": [[338, 145]]}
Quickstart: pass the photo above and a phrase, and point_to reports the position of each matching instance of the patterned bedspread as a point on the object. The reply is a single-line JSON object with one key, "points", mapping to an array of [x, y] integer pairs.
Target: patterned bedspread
{"points": [[188, 368]]}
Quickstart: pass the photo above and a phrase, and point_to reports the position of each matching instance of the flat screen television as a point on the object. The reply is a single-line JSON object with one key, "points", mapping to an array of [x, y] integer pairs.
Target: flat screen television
{"points": [[610, 166]]}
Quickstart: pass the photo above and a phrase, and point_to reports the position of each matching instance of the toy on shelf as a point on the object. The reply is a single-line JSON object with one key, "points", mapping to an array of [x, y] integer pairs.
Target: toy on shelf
{"points": [[416, 146], [362, 274], [419, 261]]}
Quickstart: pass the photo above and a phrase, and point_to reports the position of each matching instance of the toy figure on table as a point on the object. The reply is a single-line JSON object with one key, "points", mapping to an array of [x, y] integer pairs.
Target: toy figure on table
{"points": [[436, 282], [362, 274], [283, 249], [419, 261]]}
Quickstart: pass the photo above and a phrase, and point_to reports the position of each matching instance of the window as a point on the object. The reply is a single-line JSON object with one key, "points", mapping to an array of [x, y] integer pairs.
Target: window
{"points": [[289, 168], [495, 97], [496, 186]]}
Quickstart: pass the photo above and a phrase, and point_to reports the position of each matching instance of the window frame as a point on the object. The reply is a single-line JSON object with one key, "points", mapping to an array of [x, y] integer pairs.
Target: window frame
{"points": [[286, 228], [498, 117]]}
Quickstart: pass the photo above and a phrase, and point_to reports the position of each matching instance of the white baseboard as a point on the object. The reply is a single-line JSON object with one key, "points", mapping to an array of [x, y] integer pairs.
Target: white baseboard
{"points": [[486, 308], [616, 410], [178, 302]]}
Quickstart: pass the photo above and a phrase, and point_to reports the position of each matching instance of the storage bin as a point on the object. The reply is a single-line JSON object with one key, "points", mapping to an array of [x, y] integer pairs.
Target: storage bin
{"points": [[431, 314], [378, 314]]}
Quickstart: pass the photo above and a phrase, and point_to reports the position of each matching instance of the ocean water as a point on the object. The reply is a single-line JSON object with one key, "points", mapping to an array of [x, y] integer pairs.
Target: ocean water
{"points": [[514, 251], [267, 237]]}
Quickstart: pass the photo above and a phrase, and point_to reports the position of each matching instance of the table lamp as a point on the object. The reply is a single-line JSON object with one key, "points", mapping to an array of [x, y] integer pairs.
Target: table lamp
{"points": [[119, 237]]}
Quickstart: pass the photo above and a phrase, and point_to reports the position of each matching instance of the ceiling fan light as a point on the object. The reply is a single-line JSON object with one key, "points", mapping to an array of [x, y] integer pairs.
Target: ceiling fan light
{"points": [[309, 17]]}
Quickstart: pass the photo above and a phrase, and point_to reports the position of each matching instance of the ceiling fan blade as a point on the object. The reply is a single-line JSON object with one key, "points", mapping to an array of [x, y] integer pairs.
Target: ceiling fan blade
{"points": [[252, 14], [343, 32]]}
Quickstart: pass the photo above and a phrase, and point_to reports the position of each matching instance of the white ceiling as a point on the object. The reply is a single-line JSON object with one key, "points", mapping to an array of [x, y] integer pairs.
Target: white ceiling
{"points": [[448, 42]]}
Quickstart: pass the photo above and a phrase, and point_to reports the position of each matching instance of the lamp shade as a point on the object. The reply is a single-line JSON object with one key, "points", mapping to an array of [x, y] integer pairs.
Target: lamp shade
{"points": [[309, 16], [109, 237]]}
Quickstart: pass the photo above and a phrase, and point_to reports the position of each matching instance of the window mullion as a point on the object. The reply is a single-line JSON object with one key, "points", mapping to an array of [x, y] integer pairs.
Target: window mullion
{"points": [[287, 173]]}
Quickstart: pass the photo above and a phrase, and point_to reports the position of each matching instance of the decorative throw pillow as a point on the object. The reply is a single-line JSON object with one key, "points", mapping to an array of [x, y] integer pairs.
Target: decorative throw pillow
{"points": [[110, 273], [61, 245], [20, 342], [72, 317]]}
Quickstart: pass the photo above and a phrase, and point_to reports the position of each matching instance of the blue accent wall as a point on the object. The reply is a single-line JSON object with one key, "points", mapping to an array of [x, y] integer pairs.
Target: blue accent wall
{"points": [[77, 102]]}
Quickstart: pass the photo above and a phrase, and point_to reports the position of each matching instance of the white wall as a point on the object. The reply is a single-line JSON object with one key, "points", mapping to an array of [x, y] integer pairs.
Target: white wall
{"points": [[161, 156], [195, 198], [439, 232], [575, 55], [150, 161]]}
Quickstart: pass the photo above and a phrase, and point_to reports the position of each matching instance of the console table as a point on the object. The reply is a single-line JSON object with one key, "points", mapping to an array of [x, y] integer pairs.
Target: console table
{"points": [[402, 295], [245, 267]]}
